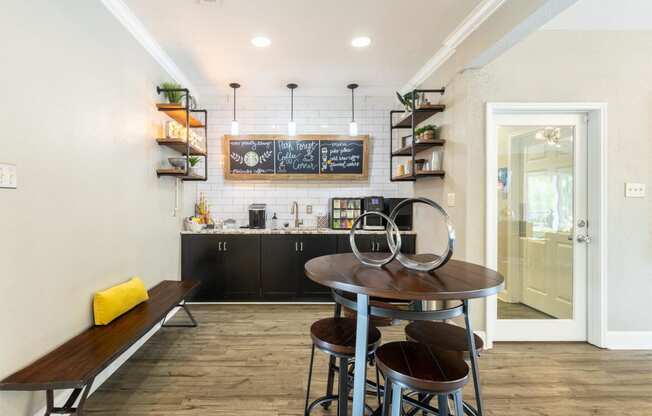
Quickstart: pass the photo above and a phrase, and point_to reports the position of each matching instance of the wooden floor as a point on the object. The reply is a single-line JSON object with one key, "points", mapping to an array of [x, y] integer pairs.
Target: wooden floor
{"points": [[519, 311], [253, 360]]}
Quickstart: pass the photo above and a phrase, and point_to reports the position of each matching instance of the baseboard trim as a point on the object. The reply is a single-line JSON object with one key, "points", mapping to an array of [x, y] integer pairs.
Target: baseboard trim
{"points": [[629, 340], [62, 395]]}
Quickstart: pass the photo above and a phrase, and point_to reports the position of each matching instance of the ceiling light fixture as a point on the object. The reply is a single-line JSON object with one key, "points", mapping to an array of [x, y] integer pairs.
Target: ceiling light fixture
{"points": [[235, 127], [292, 126], [353, 126], [361, 42], [261, 41], [552, 136]]}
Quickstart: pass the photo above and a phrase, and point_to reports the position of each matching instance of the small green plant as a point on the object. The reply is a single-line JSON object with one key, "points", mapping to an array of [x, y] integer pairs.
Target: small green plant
{"points": [[429, 127], [193, 160], [173, 97]]}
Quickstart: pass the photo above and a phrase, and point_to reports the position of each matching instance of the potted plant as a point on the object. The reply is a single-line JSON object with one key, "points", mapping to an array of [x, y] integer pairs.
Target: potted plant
{"points": [[193, 161], [173, 97], [418, 133], [428, 132]]}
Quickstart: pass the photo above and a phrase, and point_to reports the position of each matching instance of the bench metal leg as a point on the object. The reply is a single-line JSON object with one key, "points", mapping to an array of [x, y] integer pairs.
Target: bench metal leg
{"points": [[69, 407], [192, 319]]}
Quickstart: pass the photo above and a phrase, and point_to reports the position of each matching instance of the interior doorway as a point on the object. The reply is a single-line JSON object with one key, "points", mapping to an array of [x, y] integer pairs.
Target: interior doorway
{"points": [[541, 223]]}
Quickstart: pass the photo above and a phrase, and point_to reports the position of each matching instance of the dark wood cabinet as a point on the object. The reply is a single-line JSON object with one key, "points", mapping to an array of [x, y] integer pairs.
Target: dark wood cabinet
{"points": [[267, 267], [283, 258], [228, 266], [376, 243]]}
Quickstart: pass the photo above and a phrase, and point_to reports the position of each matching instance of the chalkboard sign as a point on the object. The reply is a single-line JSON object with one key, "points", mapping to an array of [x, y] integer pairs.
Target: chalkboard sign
{"points": [[251, 156], [274, 157], [297, 156], [341, 156]]}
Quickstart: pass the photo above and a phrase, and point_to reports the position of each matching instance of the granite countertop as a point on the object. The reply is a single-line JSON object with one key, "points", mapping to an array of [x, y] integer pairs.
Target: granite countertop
{"points": [[288, 231]]}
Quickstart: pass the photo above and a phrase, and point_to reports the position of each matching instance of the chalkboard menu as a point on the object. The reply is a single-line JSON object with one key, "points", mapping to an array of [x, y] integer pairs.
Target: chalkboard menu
{"points": [[274, 157], [251, 156], [297, 156], [341, 156]]}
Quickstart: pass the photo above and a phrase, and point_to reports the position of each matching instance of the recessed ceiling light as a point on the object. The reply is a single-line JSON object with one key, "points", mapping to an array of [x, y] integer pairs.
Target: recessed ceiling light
{"points": [[261, 41], [361, 42]]}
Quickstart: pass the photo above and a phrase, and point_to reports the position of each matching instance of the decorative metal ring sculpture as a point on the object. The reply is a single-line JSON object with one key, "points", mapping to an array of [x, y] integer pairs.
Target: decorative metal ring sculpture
{"points": [[439, 260], [395, 247]]}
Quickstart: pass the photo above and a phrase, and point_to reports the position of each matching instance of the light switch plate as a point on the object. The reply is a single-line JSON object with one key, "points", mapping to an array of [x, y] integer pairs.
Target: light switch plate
{"points": [[451, 200], [8, 176], [634, 190]]}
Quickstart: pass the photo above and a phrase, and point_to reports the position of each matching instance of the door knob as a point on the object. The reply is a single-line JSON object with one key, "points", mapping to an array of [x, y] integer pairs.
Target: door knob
{"points": [[584, 238]]}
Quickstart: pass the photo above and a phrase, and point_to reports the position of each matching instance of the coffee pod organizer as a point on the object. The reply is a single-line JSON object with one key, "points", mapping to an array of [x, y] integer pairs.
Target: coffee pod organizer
{"points": [[394, 239]]}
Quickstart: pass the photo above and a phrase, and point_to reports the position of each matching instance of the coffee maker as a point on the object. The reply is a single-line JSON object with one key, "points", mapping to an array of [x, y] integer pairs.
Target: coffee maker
{"points": [[257, 214], [373, 204]]}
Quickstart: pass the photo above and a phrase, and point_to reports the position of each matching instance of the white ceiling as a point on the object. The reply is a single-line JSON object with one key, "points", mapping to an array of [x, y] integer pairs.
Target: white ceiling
{"points": [[311, 41], [605, 15]]}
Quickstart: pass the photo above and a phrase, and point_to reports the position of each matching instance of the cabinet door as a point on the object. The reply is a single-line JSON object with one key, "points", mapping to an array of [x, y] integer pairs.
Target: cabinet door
{"points": [[201, 261], [376, 243], [312, 246], [279, 259], [242, 267], [364, 242], [407, 243]]}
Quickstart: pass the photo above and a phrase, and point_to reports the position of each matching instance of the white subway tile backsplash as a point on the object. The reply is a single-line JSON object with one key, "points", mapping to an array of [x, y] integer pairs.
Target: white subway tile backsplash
{"points": [[315, 115]]}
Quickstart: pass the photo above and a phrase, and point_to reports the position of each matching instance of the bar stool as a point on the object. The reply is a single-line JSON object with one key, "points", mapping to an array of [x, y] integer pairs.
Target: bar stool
{"points": [[336, 337], [424, 369], [452, 338]]}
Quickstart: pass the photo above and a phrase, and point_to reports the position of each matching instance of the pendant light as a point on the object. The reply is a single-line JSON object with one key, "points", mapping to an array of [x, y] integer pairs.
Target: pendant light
{"points": [[353, 126], [292, 126], [235, 127]]}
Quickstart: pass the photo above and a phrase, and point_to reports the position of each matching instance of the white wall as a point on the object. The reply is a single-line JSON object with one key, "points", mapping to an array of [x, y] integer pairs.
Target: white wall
{"points": [[313, 115], [565, 66], [77, 116]]}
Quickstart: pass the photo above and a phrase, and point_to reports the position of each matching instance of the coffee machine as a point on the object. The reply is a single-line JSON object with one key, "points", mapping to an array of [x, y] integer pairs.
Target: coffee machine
{"points": [[257, 214], [373, 204]]}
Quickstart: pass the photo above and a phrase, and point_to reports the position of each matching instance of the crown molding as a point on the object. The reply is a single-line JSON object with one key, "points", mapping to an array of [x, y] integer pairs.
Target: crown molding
{"points": [[470, 23], [128, 19]]}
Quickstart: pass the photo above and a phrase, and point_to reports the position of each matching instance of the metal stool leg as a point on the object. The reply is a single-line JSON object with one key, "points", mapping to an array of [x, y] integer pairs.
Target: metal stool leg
{"points": [[331, 363], [378, 385], [474, 358], [443, 404], [397, 399], [386, 397], [312, 359], [343, 387], [459, 408]]}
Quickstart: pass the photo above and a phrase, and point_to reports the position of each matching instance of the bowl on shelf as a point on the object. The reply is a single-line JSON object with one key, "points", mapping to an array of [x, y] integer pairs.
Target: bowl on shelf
{"points": [[178, 162]]}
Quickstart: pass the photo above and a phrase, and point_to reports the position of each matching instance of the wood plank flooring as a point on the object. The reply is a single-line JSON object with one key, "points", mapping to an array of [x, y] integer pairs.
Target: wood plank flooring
{"points": [[253, 360]]}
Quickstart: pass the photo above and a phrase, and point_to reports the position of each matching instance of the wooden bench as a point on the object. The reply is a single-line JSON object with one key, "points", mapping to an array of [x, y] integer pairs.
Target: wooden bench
{"points": [[75, 364]]}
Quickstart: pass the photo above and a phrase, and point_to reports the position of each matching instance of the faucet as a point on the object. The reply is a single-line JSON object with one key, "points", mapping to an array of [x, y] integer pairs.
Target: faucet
{"points": [[295, 211]]}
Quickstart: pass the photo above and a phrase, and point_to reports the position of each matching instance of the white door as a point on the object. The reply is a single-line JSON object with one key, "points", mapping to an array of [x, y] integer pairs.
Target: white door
{"points": [[541, 220]]}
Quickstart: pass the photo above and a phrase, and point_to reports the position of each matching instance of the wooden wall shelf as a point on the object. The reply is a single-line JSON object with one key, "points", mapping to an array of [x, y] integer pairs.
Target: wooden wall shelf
{"points": [[419, 147], [178, 113], [179, 145], [178, 173], [420, 174], [419, 115]]}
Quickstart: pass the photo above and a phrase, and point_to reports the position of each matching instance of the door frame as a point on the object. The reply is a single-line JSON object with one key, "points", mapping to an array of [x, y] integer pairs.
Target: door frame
{"points": [[597, 207]]}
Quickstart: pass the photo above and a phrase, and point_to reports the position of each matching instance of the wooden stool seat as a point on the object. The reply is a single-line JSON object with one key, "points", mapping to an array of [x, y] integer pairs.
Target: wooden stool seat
{"points": [[441, 335], [337, 335], [421, 367]]}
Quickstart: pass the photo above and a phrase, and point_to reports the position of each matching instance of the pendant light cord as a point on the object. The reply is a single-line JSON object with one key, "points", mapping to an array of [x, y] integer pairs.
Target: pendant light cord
{"points": [[234, 91], [292, 104], [352, 105]]}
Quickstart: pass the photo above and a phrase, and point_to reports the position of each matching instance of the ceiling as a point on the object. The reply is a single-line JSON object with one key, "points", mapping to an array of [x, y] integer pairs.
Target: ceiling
{"points": [[210, 41], [605, 15]]}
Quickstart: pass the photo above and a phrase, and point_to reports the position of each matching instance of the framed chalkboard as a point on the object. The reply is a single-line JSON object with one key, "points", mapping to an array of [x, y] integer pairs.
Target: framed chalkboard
{"points": [[297, 156], [341, 156], [251, 156], [275, 157]]}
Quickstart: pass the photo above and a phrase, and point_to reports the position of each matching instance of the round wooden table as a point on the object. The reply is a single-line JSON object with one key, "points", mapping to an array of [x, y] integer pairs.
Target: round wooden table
{"points": [[456, 280]]}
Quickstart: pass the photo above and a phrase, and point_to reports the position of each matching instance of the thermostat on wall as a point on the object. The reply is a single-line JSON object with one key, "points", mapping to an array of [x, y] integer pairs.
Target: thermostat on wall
{"points": [[8, 176]]}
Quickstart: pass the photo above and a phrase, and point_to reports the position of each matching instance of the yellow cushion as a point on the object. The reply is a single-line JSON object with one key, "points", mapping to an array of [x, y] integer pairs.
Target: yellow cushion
{"points": [[111, 303]]}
